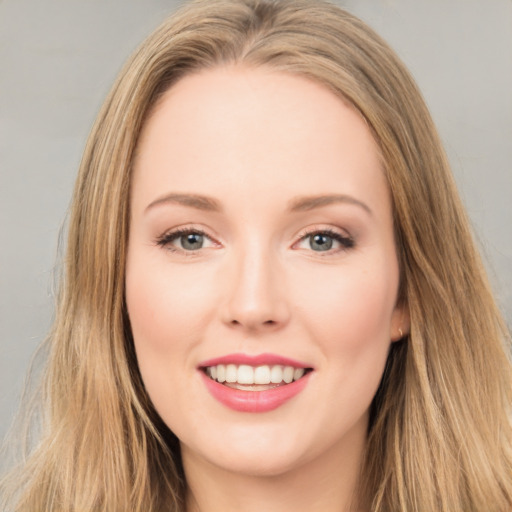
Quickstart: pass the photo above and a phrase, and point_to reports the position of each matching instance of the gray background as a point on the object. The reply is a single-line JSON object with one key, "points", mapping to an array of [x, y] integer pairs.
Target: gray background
{"points": [[58, 59]]}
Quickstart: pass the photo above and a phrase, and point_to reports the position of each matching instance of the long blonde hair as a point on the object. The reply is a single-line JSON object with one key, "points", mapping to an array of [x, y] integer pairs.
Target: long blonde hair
{"points": [[440, 435]]}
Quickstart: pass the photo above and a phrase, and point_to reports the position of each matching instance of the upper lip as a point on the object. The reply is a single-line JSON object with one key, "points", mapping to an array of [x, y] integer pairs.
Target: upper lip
{"points": [[254, 360]]}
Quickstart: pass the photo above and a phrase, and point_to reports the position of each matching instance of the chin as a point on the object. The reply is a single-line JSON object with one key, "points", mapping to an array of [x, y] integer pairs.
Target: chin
{"points": [[257, 464], [260, 452]]}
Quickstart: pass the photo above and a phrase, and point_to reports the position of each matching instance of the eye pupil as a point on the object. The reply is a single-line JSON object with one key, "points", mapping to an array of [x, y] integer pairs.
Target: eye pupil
{"points": [[192, 241], [320, 242]]}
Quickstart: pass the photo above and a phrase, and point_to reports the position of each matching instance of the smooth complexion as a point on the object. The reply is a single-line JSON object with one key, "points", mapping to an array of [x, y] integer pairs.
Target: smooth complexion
{"points": [[261, 226]]}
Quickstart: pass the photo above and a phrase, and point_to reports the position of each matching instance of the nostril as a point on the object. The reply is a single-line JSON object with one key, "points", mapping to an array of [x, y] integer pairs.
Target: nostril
{"points": [[251, 325]]}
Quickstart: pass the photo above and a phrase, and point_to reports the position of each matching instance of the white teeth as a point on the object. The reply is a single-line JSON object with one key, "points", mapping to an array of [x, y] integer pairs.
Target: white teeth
{"points": [[288, 374], [249, 375], [297, 373], [221, 373], [245, 374], [276, 374], [262, 375], [231, 373]]}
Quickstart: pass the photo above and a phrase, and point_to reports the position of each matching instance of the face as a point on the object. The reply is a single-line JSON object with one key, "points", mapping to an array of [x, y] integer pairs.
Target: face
{"points": [[262, 275]]}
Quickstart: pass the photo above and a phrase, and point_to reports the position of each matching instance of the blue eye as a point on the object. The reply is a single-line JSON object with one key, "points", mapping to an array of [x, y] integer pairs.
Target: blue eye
{"points": [[186, 240], [191, 241], [320, 242], [325, 241]]}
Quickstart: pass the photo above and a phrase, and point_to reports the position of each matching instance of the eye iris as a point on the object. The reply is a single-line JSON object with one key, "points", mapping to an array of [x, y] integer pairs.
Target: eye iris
{"points": [[320, 242], [192, 241]]}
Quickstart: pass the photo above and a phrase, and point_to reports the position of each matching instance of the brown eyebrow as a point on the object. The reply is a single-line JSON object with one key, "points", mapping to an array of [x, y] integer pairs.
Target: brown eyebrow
{"points": [[306, 203], [298, 204], [192, 200]]}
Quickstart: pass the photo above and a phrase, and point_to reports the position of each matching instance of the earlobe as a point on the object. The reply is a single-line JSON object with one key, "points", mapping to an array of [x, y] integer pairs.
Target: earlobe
{"points": [[400, 323]]}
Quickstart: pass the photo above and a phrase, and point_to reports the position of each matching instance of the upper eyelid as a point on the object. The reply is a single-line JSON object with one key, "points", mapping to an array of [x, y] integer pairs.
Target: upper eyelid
{"points": [[179, 230], [311, 230]]}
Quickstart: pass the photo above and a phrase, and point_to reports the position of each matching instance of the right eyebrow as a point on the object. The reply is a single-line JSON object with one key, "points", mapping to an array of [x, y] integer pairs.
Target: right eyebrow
{"points": [[191, 200], [305, 203]]}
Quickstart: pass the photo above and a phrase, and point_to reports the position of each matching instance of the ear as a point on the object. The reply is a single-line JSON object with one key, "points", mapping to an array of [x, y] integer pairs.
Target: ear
{"points": [[400, 322]]}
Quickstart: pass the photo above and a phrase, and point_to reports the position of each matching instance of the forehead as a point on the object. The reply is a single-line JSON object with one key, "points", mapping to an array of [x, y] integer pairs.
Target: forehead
{"points": [[259, 129]]}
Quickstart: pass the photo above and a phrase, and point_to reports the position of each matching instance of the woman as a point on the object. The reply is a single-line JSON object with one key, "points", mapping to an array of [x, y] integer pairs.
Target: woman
{"points": [[272, 298]]}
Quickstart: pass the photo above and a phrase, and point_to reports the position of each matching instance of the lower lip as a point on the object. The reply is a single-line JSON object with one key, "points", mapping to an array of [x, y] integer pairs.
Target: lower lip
{"points": [[254, 401]]}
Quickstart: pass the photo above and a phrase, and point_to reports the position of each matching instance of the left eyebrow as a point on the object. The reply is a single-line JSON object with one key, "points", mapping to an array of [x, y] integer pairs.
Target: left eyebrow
{"points": [[305, 203], [191, 200]]}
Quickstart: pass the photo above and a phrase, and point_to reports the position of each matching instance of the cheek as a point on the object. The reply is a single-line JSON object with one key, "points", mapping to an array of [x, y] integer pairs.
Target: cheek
{"points": [[150, 311], [352, 306], [163, 313], [350, 319], [169, 310], [352, 324], [164, 307], [159, 321]]}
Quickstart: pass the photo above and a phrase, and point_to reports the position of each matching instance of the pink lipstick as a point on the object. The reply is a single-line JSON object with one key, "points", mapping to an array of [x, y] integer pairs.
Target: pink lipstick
{"points": [[254, 383]]}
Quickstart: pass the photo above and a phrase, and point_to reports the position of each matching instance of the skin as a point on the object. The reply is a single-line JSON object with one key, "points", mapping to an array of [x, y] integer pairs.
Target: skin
{"points": [[253, 141]]}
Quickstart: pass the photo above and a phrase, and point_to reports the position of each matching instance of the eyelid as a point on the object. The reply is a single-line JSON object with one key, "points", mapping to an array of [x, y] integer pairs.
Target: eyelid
{"points": [[165, 239], [345, 240]]}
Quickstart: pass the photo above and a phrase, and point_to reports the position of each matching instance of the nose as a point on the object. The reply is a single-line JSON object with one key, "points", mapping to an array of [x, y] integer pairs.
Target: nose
{"points": [[256, 299]]}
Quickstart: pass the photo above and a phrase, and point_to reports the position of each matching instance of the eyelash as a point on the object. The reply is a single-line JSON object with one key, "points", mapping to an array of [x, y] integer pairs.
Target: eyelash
{"points": [[167, 238], [346, 242]]}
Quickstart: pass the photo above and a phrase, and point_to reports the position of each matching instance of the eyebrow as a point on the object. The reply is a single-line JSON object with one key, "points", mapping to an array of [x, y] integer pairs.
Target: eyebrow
{"points": [[298, 204], [305, 203], [192, 200]]}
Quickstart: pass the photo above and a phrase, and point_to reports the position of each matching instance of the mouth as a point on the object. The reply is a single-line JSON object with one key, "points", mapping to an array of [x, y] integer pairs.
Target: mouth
{"points": [[254, 378], [254, 383]]}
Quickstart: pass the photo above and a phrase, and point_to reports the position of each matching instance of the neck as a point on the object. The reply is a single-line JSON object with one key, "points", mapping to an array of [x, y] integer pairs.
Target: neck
{"points": [[322, 484]]}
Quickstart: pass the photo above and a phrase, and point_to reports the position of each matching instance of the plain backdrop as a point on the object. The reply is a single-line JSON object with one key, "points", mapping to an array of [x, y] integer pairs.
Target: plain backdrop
{"points": [[58, 59]]}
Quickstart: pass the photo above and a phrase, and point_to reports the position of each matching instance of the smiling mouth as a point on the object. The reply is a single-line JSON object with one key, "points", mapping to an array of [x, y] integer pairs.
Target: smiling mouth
{"points": [[254, 378]]}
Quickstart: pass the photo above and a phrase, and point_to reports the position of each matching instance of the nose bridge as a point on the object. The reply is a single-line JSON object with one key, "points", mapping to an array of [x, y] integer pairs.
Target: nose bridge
{"points": [[257, 299]]}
